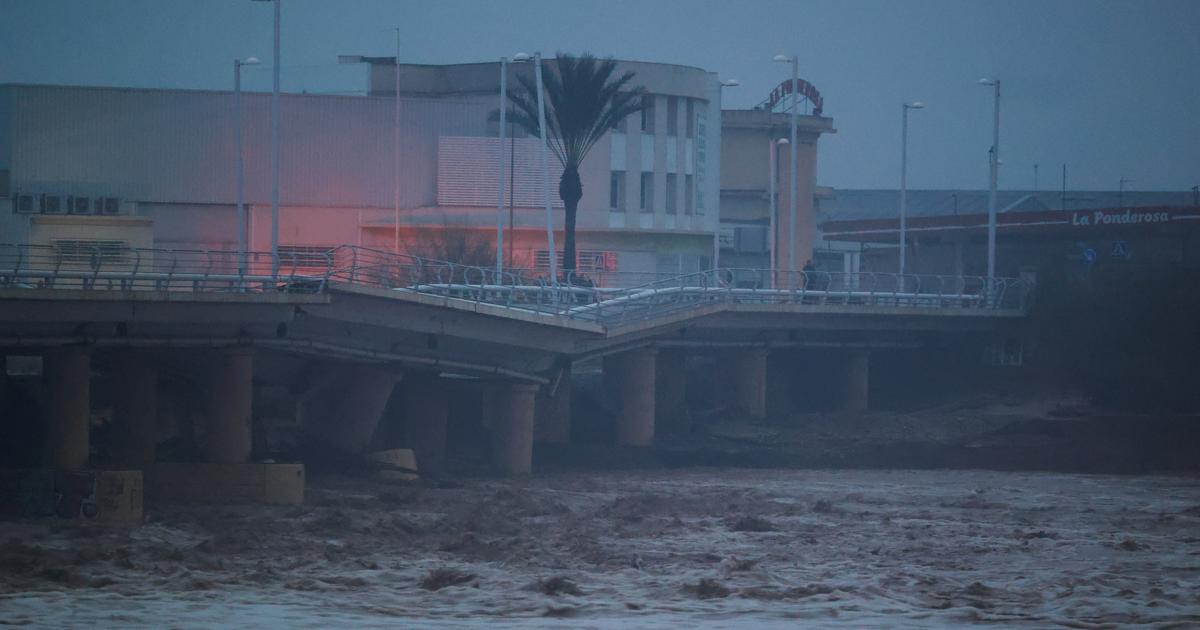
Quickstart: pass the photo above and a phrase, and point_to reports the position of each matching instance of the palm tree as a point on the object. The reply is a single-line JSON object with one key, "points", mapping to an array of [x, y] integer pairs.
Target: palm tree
{"points": [[584, 102]]}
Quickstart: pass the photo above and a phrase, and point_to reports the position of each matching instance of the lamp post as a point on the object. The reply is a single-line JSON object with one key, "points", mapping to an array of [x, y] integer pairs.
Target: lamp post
{"points": [[541, 105], [348, 59], [241, 174], [500, 184], [795, 61], [1121, 191], [396, 155], [994, 168], [716, 260], [772, 162], [904, 182], [275, 149], [517, 58]]}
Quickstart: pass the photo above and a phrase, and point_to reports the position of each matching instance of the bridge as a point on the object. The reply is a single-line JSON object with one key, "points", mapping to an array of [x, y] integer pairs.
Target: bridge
{"points": [[338, 330]]}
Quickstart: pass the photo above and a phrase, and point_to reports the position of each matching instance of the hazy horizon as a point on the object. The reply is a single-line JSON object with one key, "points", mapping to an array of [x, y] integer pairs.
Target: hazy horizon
{"points": [[1106, 87]]}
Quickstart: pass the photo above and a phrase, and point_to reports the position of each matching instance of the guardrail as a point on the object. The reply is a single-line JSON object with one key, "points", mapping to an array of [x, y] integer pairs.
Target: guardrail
{"points": [[590, 297], [114, 267]]}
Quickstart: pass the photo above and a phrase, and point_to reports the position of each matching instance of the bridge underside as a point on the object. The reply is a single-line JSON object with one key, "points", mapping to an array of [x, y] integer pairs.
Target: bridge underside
{"points": [[336, 358]]}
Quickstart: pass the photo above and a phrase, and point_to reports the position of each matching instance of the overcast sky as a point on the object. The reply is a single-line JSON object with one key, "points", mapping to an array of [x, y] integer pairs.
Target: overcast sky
{"points": [[1112, 88]]}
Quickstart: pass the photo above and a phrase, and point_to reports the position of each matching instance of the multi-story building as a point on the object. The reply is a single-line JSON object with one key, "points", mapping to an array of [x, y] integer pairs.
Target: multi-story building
{"points": [[112, 168]]}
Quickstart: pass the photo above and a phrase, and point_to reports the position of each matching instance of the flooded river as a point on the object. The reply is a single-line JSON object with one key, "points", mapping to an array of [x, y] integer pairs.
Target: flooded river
{"points": [[665, 548]]}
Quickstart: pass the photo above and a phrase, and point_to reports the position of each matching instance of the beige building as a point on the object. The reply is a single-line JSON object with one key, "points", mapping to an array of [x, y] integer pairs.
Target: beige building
{"points": [[115, 168]]}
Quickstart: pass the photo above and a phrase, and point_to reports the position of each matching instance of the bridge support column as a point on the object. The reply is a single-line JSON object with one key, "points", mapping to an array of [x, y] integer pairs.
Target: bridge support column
{"points": [[426, 412], [343, 412], [750, 381], [670, 391], [68, 408], [858, 364], [512, 427], [632, 374], [227, 439], [135, 409], [553, 412]]}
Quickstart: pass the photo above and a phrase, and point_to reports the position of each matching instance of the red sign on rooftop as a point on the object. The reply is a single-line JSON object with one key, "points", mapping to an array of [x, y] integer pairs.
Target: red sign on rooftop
{"points": [[805, 89]]}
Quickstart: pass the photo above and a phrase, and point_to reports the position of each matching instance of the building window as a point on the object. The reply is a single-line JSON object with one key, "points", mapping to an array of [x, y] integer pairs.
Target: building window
{"points": [[689, 202], [690, 123], [647, 193], [672, 193], [306, 256], [648, 114], [616, 191], [672, 115]]}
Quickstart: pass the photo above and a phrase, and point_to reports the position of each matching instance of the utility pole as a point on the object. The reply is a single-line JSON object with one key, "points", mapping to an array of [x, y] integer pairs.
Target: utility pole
{"points": [[1121, 191]]}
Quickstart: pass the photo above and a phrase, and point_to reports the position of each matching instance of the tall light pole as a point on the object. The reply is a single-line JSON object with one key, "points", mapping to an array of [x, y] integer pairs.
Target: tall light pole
{"points": [[1121, 191], [994, 172], [541, 105], [517, 58], [275, 150], [772, 164], [500, 185], [795, 61], [241, 171], [347, 59], [396, 155], [904, 181], [716, 259]]}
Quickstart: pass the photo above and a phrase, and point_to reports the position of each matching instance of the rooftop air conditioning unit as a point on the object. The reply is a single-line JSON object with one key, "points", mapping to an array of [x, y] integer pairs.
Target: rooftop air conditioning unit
{"points": [[23, 204], [108, 206], [51, 204], [79, 205]]}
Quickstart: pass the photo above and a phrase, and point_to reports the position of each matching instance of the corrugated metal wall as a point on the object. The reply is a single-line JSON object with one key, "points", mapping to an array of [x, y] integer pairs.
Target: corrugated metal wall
{"points": [[178, 146], [468, 172]]}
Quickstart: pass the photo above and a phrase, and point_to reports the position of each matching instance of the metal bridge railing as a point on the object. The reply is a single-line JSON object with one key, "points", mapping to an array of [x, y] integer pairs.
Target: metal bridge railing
{"points": [[115, 267], [611, 298]]}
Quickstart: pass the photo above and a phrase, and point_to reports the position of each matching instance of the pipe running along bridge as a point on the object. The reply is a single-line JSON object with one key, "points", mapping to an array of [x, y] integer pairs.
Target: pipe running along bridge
{"points": [[341, 328]]}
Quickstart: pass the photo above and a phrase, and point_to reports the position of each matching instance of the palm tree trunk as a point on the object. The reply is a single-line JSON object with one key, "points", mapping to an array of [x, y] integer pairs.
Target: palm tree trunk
{"points": [[570, 190]]}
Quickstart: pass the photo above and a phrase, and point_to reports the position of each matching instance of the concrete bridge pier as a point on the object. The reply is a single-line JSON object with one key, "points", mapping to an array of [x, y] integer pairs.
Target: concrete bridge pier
{"points": [[512, 411], [343, 412], [670, 391], [68, 406], [858, 364], [632, 376], [426, 413], [750, 381], [227, 435], [135, 409], [552, 417]]}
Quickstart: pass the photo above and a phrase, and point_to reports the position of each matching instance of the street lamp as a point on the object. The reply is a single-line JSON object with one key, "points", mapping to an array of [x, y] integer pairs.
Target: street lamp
{"points": [[994, 168], [275, 150], [716, 260], [545, 138], [795, 61], [241, 175], [772, 161], [349, 59], [517, 58], [904, 182]]}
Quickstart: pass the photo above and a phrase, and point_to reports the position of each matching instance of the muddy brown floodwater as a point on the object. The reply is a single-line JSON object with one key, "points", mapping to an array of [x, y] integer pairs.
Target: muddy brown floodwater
{"points": [[666, 548]]}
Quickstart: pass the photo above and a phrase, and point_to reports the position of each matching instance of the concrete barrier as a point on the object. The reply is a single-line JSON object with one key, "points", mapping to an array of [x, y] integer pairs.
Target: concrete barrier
{"points": [[272, 484]]}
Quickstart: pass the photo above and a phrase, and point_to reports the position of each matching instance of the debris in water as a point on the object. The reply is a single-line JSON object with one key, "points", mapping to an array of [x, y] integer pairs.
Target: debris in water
{"points": [[441, 578], [707, 588]]}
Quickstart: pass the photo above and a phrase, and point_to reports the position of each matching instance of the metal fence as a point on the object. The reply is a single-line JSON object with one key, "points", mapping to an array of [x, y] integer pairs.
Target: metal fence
{"points": [[613, 298]]}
